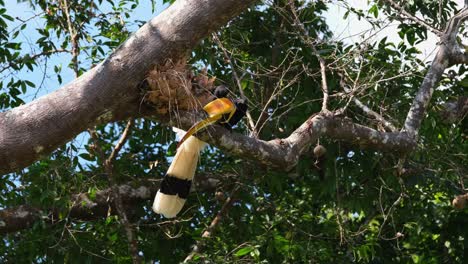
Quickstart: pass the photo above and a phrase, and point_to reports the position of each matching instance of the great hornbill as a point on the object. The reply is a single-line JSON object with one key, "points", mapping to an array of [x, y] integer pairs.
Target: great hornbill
{"points": [[175, 186]]}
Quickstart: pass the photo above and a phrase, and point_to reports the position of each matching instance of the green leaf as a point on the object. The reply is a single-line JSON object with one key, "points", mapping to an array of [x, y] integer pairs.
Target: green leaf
{"points": [[87, 157], [244, 251], [464, 82], [30, 84], [374, 10]]}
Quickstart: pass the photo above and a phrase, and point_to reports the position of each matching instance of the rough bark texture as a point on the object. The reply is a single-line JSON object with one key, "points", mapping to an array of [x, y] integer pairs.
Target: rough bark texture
{"points": [[283, 154], [448, 54], [85, 207], [110, 90], [454, 111], [89, 207]]}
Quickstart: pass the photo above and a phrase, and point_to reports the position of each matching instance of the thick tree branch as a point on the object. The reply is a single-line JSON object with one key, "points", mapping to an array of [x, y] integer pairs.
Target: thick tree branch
{"points": [[283, 154], [414, 18], [85, 207], [90, 207], [110, 90], [444, 58]]}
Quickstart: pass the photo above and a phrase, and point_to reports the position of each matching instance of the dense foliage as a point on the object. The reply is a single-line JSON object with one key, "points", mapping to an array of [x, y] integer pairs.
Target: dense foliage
{"points": [[362, 208]]}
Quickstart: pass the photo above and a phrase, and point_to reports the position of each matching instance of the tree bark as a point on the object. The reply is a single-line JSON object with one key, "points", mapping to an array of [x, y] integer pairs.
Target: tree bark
{"points": [[110, 90], [85, 207], [283, 154], [90, 207]]}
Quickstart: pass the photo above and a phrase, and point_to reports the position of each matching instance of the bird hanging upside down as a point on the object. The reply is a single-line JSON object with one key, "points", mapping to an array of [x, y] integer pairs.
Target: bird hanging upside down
{"points": [[175, 186]]}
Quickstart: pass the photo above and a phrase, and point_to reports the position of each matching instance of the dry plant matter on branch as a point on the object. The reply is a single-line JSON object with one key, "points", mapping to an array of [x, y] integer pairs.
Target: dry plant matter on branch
{"points": [[112, 91], [109, 104]]}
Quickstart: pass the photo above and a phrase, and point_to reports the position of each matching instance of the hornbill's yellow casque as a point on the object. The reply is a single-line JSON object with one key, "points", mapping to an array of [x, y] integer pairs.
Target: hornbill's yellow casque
{"points": [[175, 186]]}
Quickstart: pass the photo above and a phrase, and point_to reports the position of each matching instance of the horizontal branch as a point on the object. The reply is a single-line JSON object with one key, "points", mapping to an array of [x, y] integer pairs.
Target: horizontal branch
{"points": [[87, 207], [110, 92], [283, 154]]}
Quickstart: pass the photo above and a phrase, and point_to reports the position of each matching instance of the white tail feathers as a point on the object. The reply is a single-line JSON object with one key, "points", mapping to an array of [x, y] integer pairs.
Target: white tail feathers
{"points": [[184, 164], [167, 205], [176, 184]]}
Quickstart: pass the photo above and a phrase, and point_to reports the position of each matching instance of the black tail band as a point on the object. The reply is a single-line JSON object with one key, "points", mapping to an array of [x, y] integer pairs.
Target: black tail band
{"points": [[171, 185]]}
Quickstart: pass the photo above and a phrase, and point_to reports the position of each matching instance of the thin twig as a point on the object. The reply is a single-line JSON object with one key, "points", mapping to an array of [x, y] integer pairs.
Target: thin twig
{"points": [[32, 57], [305, 37], [365, 108], [212, 227], [389, 211], [238, 82], [413, 17], [338, 209], [73, 38], [440, 12], [109, 168]]}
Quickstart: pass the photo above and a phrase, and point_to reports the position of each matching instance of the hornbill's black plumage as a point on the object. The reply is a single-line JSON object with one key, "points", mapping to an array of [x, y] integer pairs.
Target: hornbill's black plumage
{"points": [[175, 186]]}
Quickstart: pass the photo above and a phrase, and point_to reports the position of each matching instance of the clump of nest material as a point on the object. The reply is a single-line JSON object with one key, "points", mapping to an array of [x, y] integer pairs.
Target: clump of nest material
{"points": [[173, 87]]}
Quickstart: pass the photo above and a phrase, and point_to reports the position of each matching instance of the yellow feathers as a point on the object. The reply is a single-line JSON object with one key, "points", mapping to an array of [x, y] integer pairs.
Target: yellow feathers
{"points": [[215, 110]]}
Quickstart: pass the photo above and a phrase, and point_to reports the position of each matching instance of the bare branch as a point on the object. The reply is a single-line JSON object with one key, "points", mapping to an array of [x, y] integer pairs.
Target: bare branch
{"points": [[90, 207], [85, 207], [121, 142], [32, 130], [443, 59], [238, 83], [109, 167], [414, 18], [109, 91], [364, 107], [307, 40], [73, 37], [374, 114], [211, 228], [283, 154]]}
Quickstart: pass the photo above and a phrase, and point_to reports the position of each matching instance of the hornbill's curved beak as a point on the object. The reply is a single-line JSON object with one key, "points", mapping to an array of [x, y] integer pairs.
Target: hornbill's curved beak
{"points": [[215, 110]]}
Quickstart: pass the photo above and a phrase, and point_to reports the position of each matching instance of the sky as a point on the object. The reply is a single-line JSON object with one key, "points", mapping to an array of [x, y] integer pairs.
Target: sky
{"points": [[24, 11], [349, 30], [352, 29], [50, 83]]}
